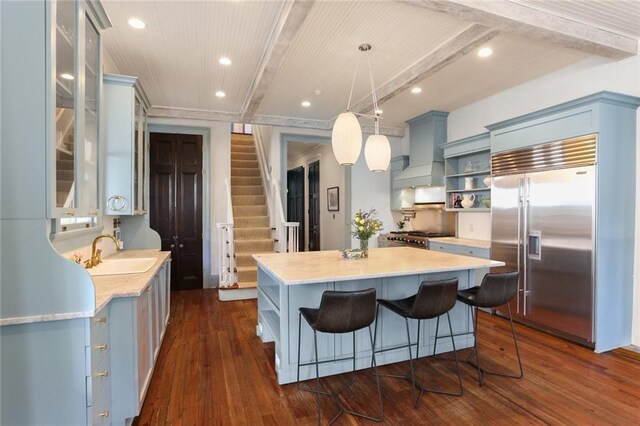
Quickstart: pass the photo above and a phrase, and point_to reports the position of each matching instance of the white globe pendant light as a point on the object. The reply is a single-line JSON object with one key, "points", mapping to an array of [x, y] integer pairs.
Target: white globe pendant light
{"points": [[346, 139], [377, 152], [346, 136]]}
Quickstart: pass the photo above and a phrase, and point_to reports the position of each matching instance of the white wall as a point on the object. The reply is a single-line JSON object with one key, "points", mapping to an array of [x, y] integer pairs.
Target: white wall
{"points": [[586, 77], [332, 229], [219, 154]]}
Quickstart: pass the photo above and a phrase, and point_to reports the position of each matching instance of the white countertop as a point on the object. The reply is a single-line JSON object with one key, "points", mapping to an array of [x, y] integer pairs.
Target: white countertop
{"points": [[126, 285], [106, 287], [327, 266], [463, 242]]}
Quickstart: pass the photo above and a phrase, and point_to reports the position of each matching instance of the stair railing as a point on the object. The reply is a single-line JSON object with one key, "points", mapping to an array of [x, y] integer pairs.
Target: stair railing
{"points": [[227, 259], [286, 232]]}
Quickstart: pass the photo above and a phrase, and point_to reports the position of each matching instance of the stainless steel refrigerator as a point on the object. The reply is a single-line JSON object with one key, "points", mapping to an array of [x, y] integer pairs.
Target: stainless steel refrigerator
{"points": [[543, 207]]}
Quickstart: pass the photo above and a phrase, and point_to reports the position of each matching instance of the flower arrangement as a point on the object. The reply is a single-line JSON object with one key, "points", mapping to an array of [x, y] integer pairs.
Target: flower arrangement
{"points": [[365, 225]]}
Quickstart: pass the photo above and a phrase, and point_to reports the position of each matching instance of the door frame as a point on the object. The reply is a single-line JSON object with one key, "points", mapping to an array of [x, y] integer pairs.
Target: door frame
{"points": [[208, 281], [302, 237], [285, 138]]}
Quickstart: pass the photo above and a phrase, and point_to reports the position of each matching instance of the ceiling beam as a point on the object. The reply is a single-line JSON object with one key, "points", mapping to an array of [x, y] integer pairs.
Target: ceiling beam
{"points": [[449, 52], [192, 114], [270, 120], [294, 14], [527, 21]]}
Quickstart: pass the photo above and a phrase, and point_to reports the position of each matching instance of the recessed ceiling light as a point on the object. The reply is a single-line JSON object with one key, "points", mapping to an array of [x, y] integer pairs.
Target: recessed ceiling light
{"points": [[416, 90], [484, 52], [306, 104], [317, 92], [66, 76], [136, 23], [224, 61], [220, 94], [378, 111]]}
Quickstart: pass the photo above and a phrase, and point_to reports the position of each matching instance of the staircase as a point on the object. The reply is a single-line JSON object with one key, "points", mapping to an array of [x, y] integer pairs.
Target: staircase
{"points": [[252, 233], [64, 156]]}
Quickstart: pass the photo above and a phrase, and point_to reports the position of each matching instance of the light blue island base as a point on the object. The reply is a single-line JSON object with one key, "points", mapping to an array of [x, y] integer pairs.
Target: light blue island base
{"points": [[288, 281]]}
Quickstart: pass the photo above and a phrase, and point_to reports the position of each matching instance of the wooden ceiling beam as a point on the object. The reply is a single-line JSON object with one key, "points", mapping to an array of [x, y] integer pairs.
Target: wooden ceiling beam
{"points": [[449, 52], [527, 21], [294, 14]]}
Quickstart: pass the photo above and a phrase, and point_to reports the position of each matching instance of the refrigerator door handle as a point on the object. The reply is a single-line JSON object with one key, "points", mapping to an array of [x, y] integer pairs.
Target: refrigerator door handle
{"points": [[526, 183], [520, 203]]}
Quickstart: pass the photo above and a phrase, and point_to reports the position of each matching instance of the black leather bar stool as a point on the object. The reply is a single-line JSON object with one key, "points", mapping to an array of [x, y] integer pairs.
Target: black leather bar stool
{"points": [[495, 290], [434, 298], [340, 312]]}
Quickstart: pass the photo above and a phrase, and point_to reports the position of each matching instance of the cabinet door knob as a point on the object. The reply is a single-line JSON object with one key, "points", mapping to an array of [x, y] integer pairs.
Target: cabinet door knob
{"points": [[173, 246], [101, 319], [102, 347], [104, 414], [181, 246], [69, 212], [117, 203], [104, 373]]}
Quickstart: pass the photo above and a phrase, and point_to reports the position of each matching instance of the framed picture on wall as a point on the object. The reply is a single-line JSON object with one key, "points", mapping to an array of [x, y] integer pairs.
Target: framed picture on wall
{"points": [[333, 199]]}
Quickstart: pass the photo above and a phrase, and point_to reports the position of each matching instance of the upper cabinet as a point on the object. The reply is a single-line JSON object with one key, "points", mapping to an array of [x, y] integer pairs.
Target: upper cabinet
{"points": [[74, 86], [468, 174], [126, 143]]}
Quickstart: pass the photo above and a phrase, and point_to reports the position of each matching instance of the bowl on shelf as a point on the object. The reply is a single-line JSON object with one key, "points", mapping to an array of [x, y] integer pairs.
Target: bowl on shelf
{"points": [[350, 254]]}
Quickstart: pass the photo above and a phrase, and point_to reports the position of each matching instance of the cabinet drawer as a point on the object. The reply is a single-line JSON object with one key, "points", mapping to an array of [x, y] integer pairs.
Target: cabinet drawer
{"points": [[100, 411], [474, 252], [100, 379], [100, 356], [99, 326], [447, 248]]}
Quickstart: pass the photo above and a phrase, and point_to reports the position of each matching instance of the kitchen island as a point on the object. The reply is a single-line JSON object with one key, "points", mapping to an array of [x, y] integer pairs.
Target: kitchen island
{"points": [[287, 281]]}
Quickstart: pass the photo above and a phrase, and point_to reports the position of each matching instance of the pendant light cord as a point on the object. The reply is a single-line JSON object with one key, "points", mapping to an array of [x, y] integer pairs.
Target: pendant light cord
{"points": [[353, 82], [373, 94]]}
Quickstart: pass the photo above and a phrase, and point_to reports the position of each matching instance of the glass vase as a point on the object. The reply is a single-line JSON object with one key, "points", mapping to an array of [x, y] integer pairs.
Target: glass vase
{"points": [[364, 247]]}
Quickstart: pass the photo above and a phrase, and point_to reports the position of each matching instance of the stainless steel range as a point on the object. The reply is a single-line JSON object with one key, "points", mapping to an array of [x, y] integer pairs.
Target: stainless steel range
{"points": [[417, 239]]}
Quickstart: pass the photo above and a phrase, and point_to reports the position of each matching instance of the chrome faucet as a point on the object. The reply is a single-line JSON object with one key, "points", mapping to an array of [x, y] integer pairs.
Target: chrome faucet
{"points": [[96, 253]]}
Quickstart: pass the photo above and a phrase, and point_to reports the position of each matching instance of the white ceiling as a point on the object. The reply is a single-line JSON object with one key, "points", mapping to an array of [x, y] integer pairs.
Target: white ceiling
{"points": [[176, 55]]}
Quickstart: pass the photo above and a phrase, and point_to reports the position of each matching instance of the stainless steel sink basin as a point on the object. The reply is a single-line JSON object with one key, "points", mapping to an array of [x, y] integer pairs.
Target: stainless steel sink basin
{"points": [[123, 266]]}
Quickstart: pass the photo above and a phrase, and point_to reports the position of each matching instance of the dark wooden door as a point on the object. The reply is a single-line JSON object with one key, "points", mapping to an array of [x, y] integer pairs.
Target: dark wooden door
{"points": [[176, 204], [314, 206], [295, 201]]}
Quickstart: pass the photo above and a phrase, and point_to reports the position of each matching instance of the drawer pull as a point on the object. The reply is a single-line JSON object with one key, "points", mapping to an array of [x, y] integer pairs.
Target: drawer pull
{"points": [[101, 319], [104, 373], [147, 290], [104, 414], [102, 347]]}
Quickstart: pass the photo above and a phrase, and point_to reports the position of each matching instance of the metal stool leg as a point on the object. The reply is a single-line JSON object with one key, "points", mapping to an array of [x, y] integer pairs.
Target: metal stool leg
{"points": [[435, 343], [455, 353], [375, 371], [315, 348], [413, 380], [299, 328], [482, 371], [375, 336]]}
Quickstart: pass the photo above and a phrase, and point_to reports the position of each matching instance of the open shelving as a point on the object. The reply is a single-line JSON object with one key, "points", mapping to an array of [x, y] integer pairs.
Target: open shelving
{"points": [[467, 165]]}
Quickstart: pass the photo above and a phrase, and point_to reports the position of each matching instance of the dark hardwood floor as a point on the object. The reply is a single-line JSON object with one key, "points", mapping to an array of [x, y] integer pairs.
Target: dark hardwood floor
{"points": [[214, 370]]}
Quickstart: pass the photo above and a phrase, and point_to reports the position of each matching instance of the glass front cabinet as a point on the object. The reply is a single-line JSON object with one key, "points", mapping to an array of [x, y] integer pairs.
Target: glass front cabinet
{"points": [[126, 141], [74, 93]]}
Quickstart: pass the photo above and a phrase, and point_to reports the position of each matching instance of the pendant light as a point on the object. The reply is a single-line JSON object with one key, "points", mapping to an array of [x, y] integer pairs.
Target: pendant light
{"points": [[346, 136]]}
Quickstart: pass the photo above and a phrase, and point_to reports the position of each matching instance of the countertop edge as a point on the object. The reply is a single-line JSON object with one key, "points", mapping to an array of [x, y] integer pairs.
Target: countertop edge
{"points": [[45, 318], [466, 242]]}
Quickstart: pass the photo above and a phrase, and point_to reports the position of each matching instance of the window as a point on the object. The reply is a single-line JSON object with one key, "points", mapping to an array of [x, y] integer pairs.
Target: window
{"points": [[71, 224], [245, 129]]}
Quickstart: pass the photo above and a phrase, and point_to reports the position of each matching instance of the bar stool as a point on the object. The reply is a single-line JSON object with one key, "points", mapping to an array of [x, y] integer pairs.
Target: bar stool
{"points": [[340, 312], [434, 299], [495, 290]]}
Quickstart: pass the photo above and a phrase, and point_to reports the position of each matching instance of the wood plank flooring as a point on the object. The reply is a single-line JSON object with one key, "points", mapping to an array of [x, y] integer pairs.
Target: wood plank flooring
{"points": [[214, 370]]}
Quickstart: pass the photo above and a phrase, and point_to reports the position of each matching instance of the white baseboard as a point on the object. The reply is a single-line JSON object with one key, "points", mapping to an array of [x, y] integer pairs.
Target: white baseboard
{"points": [[237, 294]]}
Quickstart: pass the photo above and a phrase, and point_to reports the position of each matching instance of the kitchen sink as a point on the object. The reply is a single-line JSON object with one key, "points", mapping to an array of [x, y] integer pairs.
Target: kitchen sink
{"points": [[123, 266]]}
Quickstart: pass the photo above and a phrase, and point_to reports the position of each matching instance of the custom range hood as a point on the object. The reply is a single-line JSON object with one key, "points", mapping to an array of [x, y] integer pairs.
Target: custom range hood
{"points": [[426, 163]]}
